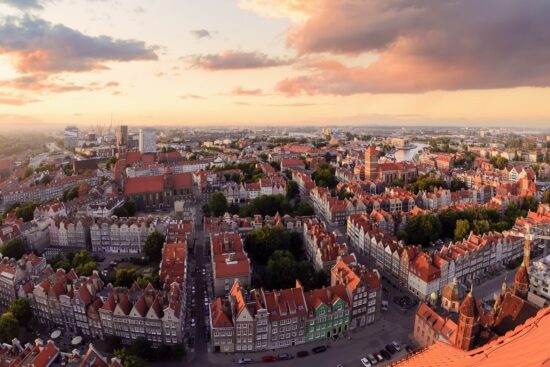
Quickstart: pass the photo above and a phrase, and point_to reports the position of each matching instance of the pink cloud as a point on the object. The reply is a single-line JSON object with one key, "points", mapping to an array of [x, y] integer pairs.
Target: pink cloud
{"points": [[234, 60]]}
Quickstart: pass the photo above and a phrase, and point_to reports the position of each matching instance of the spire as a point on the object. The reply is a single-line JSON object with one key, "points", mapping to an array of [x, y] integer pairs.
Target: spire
{"points": [[471, 293], [527, 252]]}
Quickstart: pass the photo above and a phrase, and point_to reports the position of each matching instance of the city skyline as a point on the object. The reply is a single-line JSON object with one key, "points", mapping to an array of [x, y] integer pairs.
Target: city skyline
{"points": [[251, 62]]}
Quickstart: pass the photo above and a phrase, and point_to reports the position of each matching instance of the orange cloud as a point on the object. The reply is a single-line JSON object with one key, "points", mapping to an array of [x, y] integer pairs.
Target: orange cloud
{"points": [[234, 60], [423, 45]]}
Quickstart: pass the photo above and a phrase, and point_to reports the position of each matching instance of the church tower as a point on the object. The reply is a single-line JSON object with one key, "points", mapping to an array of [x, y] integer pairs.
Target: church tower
{"points": [[371, 163], [468, 323], [521, 279]]}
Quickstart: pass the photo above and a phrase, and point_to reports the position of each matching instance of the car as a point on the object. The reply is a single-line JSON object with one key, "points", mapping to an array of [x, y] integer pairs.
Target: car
{"points": [[302, 353], [384, 306], [284, 356], [409, 349], [391, 349], [319, 349], [245, 360], [385, 354], [379, 357], [372, 359], [365, 362], [268, 358], [340, 365], [396, 345]]}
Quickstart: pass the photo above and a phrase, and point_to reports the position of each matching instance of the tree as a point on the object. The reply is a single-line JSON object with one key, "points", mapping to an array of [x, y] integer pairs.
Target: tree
{"points": [[153, 246], [21, 310], [423, 229], [292, 189], [324, 176], [218, 204], [9, 327], [281, 270], [457, 185], [128, 360], [529, 203], [263, 242], [142, 348], [125, 277], [462, 229], [13, 249], [121, 212], [131, 207], [499, 162], [546, 197]]}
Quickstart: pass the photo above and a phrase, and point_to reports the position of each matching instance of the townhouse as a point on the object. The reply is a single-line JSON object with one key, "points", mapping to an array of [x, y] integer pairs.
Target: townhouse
{"points": [[329, 312], [321, 247], [229, 262], [14, 274], [363, 287]]}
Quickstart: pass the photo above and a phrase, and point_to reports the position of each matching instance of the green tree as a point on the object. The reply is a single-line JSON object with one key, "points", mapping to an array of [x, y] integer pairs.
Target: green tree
{"points": [[481, 226], [263, 242], [546, 197], [457, 185], [13, 249], [281, 270], [462, 229], [218, 204], [423, 229], [153, 246], [128, 360], [292, 189], [324, 176], [499, 162], [21, 310], [125, 277], [121, 212], [9, 327]]}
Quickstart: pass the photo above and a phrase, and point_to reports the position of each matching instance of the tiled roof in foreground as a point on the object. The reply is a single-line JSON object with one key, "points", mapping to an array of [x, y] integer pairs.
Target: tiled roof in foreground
{"points": [[525, 346]]}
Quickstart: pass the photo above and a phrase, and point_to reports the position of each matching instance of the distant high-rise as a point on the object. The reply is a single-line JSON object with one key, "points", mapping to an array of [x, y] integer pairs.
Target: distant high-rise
{"points": [[147, 140], [70, 137], [122, 136]]}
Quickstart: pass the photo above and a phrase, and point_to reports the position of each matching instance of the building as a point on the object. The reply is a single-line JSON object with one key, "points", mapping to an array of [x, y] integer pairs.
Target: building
{"points": [[229, 262], [539, 282], [6, 167], [14, 274], [363, 287], [147, 140], [39, 354], [70, 137], [221, 326], [388, 171], [121, 133], [430, 327], [159, 192], [329, 313], [521, 346]]}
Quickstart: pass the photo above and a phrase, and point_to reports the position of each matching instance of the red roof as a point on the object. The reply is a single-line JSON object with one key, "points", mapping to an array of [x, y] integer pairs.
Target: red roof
{"points": [[138, 185]]}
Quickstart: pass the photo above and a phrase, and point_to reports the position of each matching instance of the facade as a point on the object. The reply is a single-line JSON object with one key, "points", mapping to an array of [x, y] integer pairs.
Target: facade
{"points": [[430, 327], [121, 136], [329, 313], [363, 288], [321, 246], [70, 137], [229, 262], [14, 274], [147, 140], [539, 282]]}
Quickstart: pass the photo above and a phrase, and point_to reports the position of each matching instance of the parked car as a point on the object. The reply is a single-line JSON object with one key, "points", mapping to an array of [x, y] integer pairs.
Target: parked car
{"points": [[269, 359], [396, 345], [390, 348], [385, 354], [302, 353], [409, 349], [372, 359], [365, 362], [319, 349], [379, 357], [384, 306], [245, 360], [284, 356]]}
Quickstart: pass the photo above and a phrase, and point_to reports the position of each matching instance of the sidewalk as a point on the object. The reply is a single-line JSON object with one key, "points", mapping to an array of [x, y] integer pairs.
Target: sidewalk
{"points": [[358, 340]]}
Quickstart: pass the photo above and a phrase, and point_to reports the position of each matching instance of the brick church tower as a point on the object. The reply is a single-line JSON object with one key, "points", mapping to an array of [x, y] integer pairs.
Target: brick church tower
{"points": [[468, 323], [371, 163], [521, 279]]}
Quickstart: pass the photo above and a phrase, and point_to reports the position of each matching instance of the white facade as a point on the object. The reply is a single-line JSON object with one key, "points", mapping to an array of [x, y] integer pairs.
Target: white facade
{"points": [[147, 140]]}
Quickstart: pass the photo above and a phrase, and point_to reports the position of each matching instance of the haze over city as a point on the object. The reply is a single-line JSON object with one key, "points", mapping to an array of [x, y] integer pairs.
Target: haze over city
{"points": [[247, 62], [209, 183]]}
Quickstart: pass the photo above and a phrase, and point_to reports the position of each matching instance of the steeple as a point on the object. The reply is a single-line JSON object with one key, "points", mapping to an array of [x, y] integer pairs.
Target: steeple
{"points": [[521, 279]]}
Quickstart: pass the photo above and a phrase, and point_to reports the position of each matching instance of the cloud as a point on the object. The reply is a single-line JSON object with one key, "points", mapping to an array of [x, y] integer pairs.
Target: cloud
{"points": [[235, 60], [41, 83], [296, 9], [15, 100], [292, 104], [240, 91], [23, 4], [192, 96], [241, 103], [42, 47], [423, 45], [201, 33]]}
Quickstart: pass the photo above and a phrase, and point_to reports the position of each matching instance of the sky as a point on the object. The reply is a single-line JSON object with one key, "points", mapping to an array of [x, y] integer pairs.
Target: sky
{"points": [[271, 62]]}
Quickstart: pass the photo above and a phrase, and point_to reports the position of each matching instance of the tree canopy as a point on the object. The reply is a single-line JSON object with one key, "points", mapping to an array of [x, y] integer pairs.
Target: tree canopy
{"points": [[13, 249], [324, 176], [421, 230], [218, 204], [21, 310], [153, 246], [9, 327]]}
